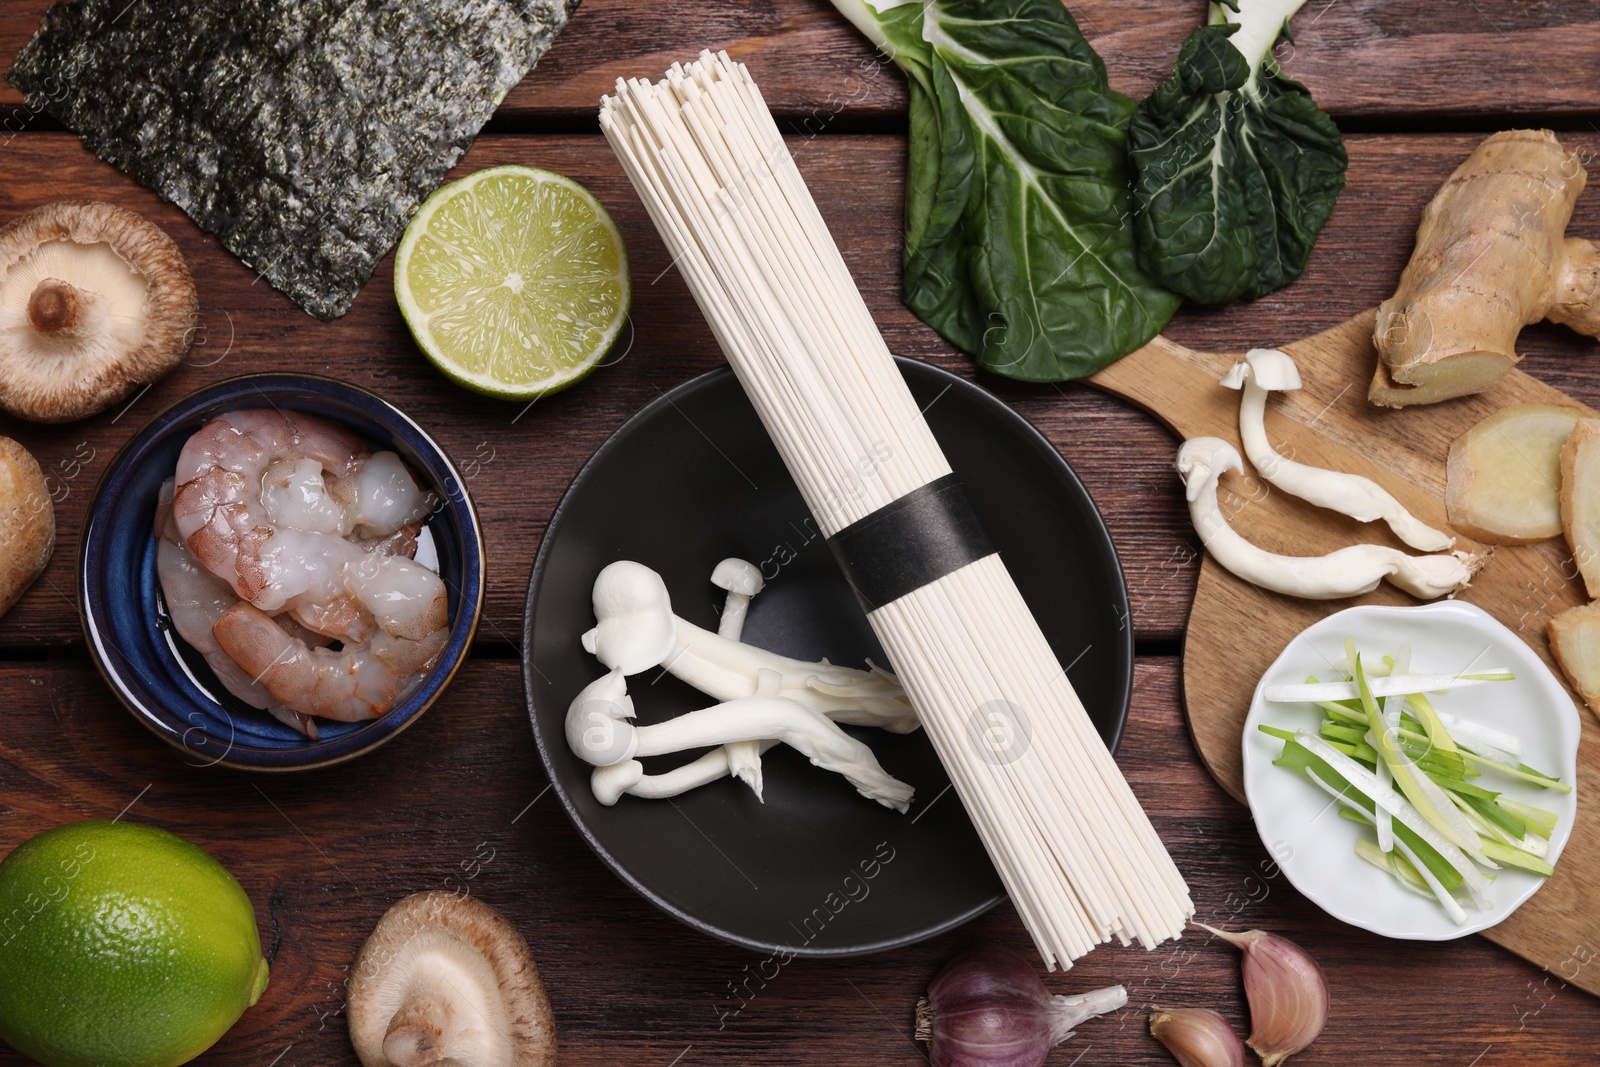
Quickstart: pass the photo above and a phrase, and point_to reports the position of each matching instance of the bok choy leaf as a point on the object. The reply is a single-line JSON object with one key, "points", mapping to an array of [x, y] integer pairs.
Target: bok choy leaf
{"points": [[1235, 168], [1018, 244]]}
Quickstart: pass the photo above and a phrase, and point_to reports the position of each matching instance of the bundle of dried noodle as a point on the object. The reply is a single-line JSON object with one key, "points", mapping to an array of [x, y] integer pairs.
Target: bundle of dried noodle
{"points": [[1076, 852]]}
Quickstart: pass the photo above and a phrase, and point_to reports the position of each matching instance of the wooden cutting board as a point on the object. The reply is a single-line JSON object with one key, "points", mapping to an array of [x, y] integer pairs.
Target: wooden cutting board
{"points": [[1236, 630]]}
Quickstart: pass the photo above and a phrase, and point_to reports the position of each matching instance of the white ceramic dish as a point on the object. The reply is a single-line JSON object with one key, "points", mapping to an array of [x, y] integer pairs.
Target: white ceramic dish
{"points": [[1303, 830]]}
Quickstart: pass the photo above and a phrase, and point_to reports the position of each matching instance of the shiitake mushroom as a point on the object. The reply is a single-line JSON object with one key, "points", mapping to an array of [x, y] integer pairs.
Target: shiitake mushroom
{"points": [[95, 300]]}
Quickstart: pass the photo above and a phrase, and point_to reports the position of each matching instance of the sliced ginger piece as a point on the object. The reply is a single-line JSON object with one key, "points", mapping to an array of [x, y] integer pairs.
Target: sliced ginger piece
{"points": [[1580, 500], [1503, 477], [1575, 641]]}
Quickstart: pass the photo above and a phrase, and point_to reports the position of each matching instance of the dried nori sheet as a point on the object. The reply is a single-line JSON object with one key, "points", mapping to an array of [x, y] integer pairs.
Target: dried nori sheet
{"points": [[303, 133]]}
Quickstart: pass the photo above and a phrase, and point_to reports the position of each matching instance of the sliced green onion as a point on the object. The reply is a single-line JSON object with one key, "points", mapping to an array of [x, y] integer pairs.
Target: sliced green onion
{"points": [[1516, 857], [1363, 780], [1521, 772], [1381, 687], [1465, 732], [1539, 821], [1446, 900], [1428, 798], [1494, 813], [1396, 865], [1296, 757]]}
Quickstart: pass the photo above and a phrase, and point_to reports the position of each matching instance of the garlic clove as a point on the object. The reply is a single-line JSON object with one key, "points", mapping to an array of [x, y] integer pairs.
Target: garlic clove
{"points": [[1287, 991], [1197, 1037]]}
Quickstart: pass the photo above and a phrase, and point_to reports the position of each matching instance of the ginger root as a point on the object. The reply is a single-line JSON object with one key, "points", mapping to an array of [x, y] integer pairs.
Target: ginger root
{"points": [[1491, 257]]}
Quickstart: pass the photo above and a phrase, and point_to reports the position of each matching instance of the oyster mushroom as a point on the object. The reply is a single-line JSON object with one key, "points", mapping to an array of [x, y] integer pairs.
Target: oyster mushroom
{"points": [[446, 979], [1350, 571], [94, 301], [1267, 370]]}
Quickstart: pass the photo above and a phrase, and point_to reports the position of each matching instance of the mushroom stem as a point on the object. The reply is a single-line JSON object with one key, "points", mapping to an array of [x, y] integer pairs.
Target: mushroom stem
{"points": [[416, 1033], [742, 579], [732, 670], [56, 307], [599, 732], [795, 724], [609, 783]]}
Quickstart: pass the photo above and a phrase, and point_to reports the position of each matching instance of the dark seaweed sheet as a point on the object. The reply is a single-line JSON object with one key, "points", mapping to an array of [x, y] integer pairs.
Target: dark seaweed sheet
{"points": [[303, 133]]}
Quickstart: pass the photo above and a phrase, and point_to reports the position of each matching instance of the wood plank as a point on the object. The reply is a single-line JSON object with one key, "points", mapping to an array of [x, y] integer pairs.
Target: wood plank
{"points": [[524, 459], [447, 805], [1370, 60]]}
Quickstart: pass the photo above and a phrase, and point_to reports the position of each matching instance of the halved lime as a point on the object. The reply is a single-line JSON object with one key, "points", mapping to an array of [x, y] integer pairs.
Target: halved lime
{"points": [[514, 281]]}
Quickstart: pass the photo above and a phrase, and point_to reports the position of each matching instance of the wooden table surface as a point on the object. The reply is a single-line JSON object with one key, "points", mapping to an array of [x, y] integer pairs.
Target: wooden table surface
{"points": [[460, 801]]}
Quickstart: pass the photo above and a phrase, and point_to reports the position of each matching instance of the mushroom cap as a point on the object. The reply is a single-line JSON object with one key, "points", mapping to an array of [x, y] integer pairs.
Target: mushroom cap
{"points": [[446, 977], [597, 726], [609, 783], [1237, 375], [27, 522], [636, 628], [1273, 370], [94, 301], [738, 576], [1202, 460]]}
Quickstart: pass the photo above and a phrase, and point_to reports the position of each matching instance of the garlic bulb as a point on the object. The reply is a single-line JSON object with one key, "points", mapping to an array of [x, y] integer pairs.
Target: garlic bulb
{"points": [[1287, 992], [1197, 1037]]}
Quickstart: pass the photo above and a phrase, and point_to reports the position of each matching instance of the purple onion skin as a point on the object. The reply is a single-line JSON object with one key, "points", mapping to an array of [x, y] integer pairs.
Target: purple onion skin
{"points": [[990, 1009]]}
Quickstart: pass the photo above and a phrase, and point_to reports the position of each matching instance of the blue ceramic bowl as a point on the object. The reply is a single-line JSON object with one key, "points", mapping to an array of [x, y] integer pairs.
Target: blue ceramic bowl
{"points": [[162, 681]]}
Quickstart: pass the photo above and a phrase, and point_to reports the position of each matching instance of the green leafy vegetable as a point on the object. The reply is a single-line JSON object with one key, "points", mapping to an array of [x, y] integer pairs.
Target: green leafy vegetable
{"points": [[1235, 168], [1018, 247]]}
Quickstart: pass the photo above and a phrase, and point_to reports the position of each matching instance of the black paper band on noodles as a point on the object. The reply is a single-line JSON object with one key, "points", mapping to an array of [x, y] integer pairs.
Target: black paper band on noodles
{"points": [[910, 542]]}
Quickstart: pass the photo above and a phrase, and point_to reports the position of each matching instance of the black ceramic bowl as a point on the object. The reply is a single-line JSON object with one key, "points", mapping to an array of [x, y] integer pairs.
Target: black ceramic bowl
{"points": [[816, 869], [159, 678]]}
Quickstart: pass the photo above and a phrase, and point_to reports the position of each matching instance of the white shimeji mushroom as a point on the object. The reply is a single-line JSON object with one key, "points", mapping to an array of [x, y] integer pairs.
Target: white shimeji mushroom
{"points": [[742, 580], [636, 630], [1267, 370], [1347, 572], [599, 731]]}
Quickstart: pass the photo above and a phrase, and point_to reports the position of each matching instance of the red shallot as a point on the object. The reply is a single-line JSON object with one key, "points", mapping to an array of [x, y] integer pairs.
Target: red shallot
{"points": [[988, 1008]]}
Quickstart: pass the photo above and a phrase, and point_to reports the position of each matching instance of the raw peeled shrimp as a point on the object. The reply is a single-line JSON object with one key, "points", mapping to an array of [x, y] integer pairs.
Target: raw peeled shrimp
{"points": [[269, 501], [357, 682], [302, 522], [195, 600]]}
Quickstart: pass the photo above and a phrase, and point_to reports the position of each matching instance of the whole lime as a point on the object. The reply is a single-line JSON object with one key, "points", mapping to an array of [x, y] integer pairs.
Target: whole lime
{"points": [[122, 944]]}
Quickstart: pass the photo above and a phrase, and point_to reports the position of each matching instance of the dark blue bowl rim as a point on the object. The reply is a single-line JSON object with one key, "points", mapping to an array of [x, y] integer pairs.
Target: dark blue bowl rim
{"points": [[313, 755], [1028, 436]]}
